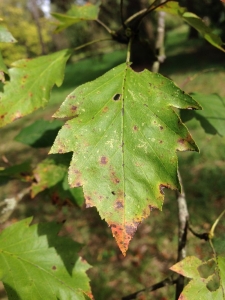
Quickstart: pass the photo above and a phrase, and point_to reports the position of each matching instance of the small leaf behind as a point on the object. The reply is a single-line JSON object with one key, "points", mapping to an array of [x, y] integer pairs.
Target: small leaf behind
{"points": [[212, 117], [207, 278], [76, 14], [41, 133], [30, 84], [5, 35], [207, 33]]}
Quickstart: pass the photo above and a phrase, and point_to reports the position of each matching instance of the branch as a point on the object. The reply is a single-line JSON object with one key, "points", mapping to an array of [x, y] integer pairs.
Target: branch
{"points": [[183, 216], [202, 236], [7, 206], [159, 47], [92, 42], [122, 35], [121, 14], [144, 12], [167, 281], [104, 26]]}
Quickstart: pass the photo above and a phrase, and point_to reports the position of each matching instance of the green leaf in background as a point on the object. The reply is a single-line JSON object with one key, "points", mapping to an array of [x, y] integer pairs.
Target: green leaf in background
{"points": [[172, 7], [208, 278], [21, 171], [3, 69], [49, 172], [207, 33], [124, 136], [212, 117], [37, 264], [41, 133], [5, 35], [76, 14], [30, 84], [62, 194]]}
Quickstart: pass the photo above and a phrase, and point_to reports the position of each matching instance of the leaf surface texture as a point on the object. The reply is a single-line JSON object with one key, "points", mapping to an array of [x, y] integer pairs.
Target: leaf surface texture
{"points": [[124, 135], [37, 264]]}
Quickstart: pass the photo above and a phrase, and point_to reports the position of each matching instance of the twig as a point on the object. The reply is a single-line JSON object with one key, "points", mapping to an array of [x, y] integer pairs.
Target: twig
{"points": [[92, 42], [128, 50], [183, 217], [202, 236], [121, 14], [159, 47], [144, 12], [8, 205], [104, 25], [167, 281]]}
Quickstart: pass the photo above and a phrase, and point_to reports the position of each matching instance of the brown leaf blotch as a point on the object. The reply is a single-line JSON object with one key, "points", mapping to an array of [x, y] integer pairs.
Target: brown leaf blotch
{"points": [[54, 268], [135, 128], [119, 204], [130, 230], [161, 127], [181, 141], [74, 108], [105, 109], [104, 160]]}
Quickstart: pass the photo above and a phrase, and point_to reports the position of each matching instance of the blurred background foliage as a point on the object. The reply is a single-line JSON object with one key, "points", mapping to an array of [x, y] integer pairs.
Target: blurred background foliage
{"points": [[31, 24]]}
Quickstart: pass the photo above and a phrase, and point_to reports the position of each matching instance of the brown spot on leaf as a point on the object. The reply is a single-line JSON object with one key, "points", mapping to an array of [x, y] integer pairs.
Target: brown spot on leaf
{"points": [[181, 141], [104, 160], [17, 116], [135, 128], [74, 108], [119, 204], [162, 186], [130, 230], [160, 142], [78, 178], [54, 268], [161, 127], [105, 109]]}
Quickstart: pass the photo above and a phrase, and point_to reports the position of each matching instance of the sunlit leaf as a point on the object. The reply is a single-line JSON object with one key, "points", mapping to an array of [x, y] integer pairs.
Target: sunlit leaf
{"points": [[207, 278], [76, 14], [172, 7], [49, 172], [37, 264], [212, 117], [204, 30], [124, 136], [41, 133], [5, 35], [30, 84]]}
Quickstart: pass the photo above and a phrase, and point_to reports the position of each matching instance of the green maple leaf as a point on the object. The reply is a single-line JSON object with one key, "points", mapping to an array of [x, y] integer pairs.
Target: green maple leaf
{"points": [[124, 136], [5, 35], [49, 172], [207, 278], [212, 117], [76, 14], [37, 264], [30, 85]]}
